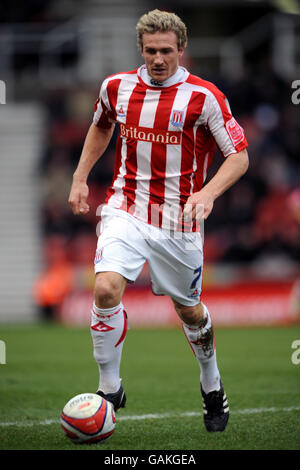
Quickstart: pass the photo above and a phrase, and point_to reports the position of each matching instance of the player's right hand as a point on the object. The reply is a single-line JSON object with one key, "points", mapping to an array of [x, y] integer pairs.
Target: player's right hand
{"points": [[78, 197]]}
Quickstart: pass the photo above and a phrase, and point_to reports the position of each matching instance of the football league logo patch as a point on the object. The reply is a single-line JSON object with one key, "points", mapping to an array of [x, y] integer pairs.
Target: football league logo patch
{"points": [[235, 131]]}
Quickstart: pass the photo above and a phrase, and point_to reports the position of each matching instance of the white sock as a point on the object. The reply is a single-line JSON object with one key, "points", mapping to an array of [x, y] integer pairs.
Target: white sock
{"points": [[108, 330], [201, 340]]}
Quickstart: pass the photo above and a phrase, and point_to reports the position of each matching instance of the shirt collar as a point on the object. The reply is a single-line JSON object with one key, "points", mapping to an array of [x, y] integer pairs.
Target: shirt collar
{"points": [[179, 76]]}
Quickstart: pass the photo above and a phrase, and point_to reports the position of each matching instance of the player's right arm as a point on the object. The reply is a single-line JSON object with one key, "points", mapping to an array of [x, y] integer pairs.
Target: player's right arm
{"points": [[96, 142]]}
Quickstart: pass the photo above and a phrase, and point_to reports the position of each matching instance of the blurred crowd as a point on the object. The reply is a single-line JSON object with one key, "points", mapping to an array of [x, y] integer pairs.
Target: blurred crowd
{"points": [[259, 218]]}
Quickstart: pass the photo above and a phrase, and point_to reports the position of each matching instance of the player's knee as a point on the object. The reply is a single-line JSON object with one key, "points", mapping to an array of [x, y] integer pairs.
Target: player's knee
{"points": [[189, 314], [108, 291]]}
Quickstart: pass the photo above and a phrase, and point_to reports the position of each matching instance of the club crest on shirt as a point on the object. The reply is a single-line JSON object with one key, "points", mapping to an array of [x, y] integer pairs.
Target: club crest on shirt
{"points": [[177, 118]]}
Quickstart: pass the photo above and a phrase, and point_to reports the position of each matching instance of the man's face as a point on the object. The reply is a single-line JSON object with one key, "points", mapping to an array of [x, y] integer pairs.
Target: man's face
{"points": [[161, 54]]}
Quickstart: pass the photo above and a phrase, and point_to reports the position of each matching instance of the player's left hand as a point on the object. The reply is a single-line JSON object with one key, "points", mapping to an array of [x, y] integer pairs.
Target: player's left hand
{"points": [[199, 205]]}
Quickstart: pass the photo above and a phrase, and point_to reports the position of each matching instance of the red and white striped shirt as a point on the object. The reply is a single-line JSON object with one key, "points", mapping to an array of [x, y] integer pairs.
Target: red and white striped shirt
{"points": [[166, 141]]}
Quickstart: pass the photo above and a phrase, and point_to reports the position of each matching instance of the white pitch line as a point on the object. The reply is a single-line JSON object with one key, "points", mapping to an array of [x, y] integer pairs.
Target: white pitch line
{"points": [[187, 414]]}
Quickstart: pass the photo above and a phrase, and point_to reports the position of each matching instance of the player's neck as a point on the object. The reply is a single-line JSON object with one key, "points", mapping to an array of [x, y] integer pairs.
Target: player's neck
{"points": [[177, 77]]}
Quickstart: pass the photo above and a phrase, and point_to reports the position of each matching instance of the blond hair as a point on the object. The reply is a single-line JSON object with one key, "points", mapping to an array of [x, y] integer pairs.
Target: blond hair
{"points": [[162, 21]]}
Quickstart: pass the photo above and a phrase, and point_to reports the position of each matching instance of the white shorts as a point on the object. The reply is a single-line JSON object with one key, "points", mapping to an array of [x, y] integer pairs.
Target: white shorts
{"points": [[175, 258]]}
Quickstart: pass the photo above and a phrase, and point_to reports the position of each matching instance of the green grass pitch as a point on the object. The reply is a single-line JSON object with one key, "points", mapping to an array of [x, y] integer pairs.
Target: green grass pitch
{"points": [[48, 364]]}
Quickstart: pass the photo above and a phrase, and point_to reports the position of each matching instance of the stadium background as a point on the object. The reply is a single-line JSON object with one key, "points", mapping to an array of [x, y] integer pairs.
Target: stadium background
{"points": [[54, 56]]}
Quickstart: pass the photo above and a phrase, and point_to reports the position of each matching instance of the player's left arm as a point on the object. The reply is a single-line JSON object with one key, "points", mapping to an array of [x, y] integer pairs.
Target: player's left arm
{"points": [[231, 170]]}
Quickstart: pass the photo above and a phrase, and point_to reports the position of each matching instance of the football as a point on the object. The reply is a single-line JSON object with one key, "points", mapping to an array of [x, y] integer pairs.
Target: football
{"points": [[88, 418]]}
